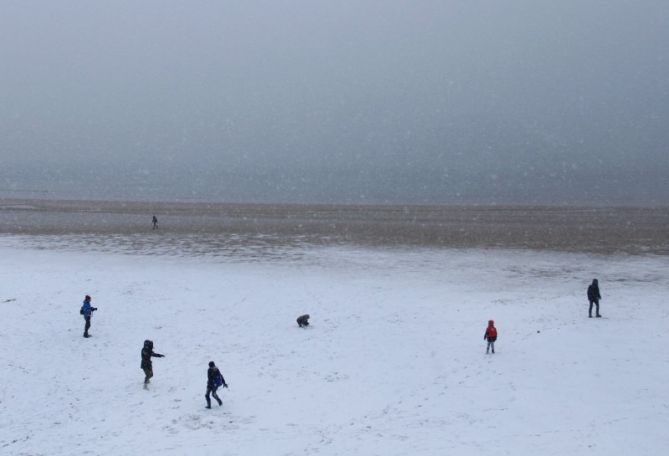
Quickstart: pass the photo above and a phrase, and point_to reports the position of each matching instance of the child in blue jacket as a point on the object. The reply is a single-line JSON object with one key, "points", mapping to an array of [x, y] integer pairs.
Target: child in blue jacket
{"points": [[86, 311]]}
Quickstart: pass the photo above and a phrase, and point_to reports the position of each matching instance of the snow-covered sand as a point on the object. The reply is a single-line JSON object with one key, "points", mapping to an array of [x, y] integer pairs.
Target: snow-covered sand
{"points": [[393, 363]]}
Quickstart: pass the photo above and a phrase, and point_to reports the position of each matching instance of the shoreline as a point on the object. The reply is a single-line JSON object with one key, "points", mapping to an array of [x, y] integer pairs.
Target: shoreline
{"points": [[570, 229]]}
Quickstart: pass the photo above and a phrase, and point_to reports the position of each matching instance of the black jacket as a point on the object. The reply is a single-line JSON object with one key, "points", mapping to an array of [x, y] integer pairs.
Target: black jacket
{"points": [[147, 353], [593, 292], [212, 373]]}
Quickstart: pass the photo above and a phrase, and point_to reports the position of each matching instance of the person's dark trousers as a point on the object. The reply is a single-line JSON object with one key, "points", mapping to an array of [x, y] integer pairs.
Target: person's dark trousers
{"points": [[148, 373], [596, 302], [212, 390], [87, 326]]}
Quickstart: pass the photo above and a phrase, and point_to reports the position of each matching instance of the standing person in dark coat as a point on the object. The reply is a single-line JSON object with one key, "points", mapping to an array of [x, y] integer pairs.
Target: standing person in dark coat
{"points": [[594, 297], [154, 221], [87, 310], [147, 365], [214, 380]]}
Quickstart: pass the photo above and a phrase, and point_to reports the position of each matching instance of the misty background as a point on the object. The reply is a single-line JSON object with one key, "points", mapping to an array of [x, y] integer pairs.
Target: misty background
{"points": [[358, 101]]}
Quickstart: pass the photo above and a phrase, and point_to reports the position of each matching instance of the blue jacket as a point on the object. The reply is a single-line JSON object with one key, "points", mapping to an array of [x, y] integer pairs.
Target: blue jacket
{"points": [[87, 309]]}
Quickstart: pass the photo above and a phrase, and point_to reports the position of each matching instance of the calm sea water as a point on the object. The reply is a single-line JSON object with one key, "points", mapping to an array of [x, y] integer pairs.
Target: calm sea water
{"points": [[208, 228]]}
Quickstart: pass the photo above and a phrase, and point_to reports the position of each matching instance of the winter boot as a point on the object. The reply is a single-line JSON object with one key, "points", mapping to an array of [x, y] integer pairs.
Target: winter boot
{"points": [[208, 402], [220, 402]]}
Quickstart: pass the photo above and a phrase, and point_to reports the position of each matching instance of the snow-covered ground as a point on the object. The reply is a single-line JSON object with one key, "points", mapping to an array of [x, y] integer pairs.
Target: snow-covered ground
{"points": [[393, 364]]}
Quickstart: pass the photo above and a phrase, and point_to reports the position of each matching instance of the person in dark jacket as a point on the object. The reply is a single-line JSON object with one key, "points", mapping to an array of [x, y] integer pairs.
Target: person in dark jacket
{"points": [[214, 381], [491, 336], [87, 310], [303, 320], [154, 221], [594, 297], [147, 365]]}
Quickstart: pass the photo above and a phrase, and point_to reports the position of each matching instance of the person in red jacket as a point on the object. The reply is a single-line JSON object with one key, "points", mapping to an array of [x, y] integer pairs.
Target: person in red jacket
{"points": [[491, 336]]}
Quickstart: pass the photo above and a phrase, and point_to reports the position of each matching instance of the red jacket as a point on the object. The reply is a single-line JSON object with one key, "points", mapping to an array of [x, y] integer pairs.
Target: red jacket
{"points": [[491, 331]]}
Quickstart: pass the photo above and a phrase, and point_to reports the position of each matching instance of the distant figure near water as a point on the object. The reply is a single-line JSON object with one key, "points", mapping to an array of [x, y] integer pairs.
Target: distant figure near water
{"points": [[594, 297], [303, 320], [154, 221]]}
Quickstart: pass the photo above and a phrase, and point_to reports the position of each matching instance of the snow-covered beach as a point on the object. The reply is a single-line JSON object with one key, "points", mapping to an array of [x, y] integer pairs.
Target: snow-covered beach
{"points": [[393, 364], [420, 177]]}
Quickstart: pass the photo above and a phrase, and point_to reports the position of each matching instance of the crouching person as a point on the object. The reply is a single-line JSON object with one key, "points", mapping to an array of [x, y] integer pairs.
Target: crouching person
{"points": [[303, 320], [214, 381]]}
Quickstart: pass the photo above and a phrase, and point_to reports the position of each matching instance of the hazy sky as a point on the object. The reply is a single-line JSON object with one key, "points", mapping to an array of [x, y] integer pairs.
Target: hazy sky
{"points": [[452, 101]]}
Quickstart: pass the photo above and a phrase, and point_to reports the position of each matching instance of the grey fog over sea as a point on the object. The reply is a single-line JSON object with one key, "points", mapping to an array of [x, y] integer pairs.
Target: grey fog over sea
{"points": [[248, 231], [449, 102]]}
